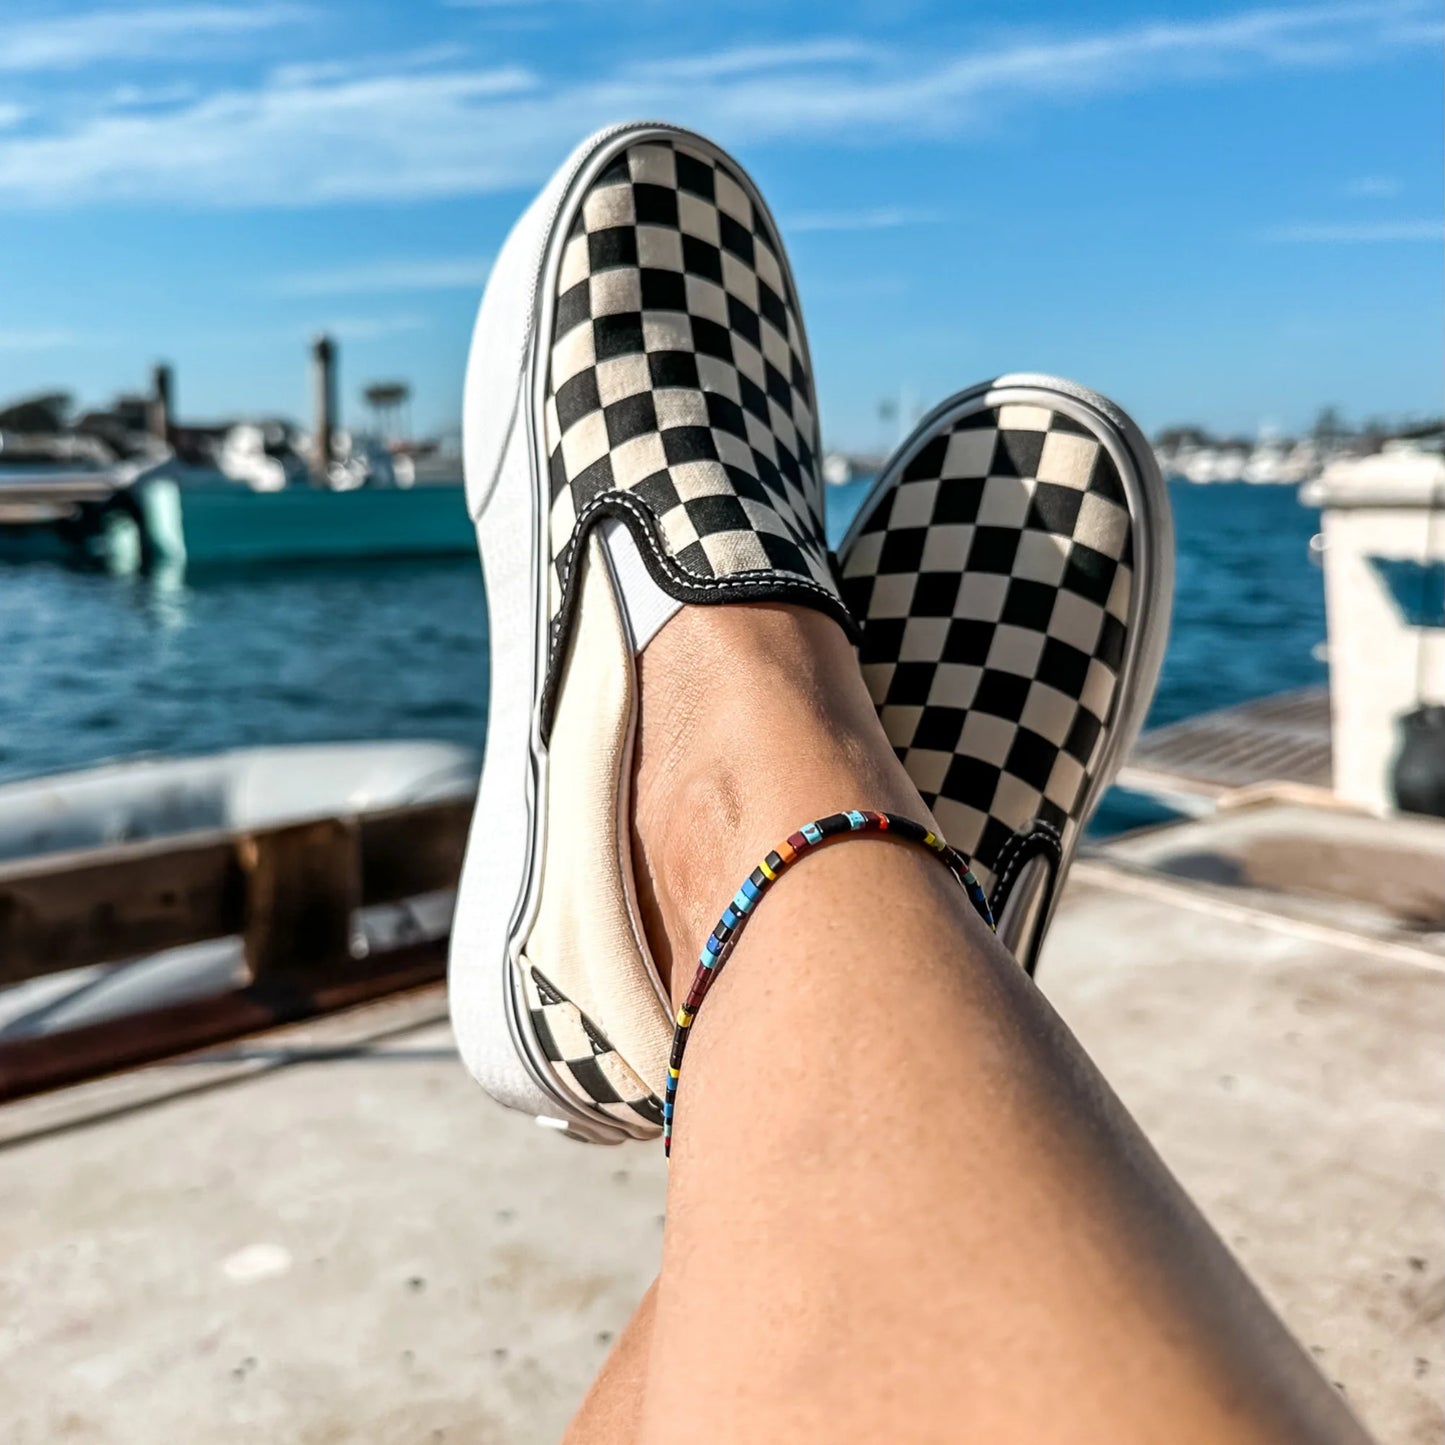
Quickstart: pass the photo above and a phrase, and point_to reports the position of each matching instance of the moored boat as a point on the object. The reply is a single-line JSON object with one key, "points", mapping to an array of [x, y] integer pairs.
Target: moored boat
{"points": [[180, 516], [170, 799]]}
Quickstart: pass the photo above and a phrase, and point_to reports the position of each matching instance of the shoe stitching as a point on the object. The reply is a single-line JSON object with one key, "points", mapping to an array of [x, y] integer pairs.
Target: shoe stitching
{"points": [[690, 580], [1039, 839]]}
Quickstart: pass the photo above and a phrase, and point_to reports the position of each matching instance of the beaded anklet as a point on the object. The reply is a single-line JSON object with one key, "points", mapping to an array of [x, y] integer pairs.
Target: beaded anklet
{"points": [[719, 945]]}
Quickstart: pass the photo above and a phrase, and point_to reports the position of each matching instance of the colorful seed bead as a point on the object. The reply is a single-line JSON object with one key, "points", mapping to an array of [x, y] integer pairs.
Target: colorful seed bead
{"points": [[720, 943]]}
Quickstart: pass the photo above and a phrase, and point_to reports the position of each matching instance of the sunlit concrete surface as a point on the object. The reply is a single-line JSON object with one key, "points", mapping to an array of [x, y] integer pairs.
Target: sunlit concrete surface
{"points": [[342, 1249], [1295, 1087], [321, 1238]]}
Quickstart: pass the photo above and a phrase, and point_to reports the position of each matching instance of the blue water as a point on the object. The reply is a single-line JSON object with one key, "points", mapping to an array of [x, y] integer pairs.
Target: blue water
{"points": [[95, 667]]}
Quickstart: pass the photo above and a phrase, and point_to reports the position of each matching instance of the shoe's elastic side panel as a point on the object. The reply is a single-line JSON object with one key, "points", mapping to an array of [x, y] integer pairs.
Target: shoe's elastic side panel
{"points": [[646, 608], [584, 939]]}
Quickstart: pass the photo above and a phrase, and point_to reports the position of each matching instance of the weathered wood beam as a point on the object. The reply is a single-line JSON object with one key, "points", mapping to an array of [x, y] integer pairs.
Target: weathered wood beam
{"points": [[303, 886], [70, 910], [290, 891], [412, 850]]}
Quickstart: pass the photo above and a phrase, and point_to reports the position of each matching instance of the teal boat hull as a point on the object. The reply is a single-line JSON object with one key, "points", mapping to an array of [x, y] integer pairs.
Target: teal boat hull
{"points": [[204, 526]]}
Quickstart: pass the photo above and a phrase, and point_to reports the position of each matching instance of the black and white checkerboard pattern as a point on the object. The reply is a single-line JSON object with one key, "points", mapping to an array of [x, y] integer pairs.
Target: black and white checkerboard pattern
{"points": [[992, 584], [585, 1064], [678, 377]]}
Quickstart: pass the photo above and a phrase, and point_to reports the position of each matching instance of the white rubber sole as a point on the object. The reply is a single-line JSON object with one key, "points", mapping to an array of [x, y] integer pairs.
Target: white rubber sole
{"points": [[1152, 599]]}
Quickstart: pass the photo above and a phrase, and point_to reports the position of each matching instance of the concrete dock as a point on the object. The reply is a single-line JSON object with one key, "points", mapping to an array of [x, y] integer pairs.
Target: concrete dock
{"points": [[326, 1233]]}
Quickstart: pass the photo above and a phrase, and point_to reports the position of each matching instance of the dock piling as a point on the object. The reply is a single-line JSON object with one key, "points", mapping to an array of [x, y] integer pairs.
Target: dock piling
{"points": [[160, 415], [323, 378]]}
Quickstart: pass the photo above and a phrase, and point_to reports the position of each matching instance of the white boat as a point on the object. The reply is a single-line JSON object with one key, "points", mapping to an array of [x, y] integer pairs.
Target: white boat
{"points": [[1272, 461], [1230, 464], [260, 455], [165, 798], [1302, 462], [1197, 464], [1266, 464]]}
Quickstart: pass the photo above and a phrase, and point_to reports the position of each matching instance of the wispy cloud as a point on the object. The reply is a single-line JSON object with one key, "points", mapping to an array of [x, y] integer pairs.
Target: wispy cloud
{"points": [[1422, 31], [1373, 188], [368, 328], [126, 97], [881, 218], [756, 59], [71, 42], [388, 137], [1363, 234], [11, 114], [302, 74], [459, 130], [51, 339], [450, 273]]}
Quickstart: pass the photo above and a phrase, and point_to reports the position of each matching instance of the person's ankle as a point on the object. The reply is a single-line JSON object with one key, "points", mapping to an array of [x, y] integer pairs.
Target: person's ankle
{"points": [[753, 721]]}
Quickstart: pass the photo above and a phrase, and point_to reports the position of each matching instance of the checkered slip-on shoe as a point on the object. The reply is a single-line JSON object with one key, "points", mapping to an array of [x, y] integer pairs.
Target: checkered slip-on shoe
{"points": [[1012, 571], [639, 435]]}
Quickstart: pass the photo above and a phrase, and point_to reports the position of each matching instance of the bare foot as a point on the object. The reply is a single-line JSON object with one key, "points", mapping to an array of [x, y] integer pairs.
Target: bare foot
{"points": [[707, 804]]}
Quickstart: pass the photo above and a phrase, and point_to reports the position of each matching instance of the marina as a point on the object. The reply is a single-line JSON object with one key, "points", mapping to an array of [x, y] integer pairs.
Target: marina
{"points": [[245, 724], [1257, 965], [1085, 372], [133, 489], [167, 498], [204, 660], [1252, 947]]}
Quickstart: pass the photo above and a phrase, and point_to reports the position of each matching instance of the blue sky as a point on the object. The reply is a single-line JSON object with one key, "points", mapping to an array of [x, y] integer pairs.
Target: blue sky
{"points": [[1224, 213]]}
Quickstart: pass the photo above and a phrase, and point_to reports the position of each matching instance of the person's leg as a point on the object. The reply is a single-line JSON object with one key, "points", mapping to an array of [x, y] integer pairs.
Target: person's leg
{"points": [[902, 1204], [612, 1412]]}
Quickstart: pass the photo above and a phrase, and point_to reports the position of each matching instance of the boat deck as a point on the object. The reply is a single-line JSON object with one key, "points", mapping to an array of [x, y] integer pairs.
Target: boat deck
{"points": [[326, 1233], [30, 501]]}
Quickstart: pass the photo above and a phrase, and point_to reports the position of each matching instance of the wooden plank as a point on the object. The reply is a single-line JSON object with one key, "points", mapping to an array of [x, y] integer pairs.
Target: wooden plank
{"points": [[103, 905], [413, 850], [70, 910], [303, 885], [52, 490], [34, 514]]}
